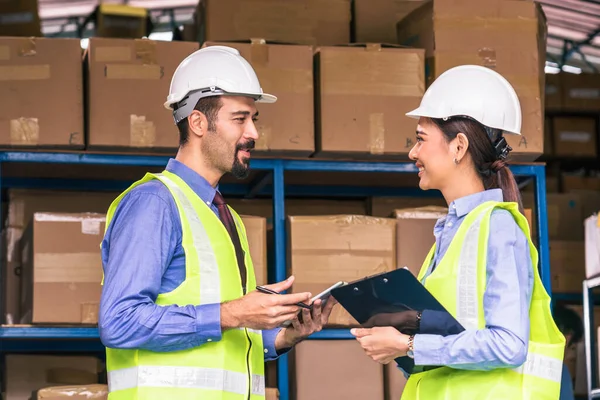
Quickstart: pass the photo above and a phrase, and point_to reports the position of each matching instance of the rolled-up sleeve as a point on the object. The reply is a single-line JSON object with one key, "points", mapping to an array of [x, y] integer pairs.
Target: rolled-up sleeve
{"points": [[137, 248], [509, 283]]}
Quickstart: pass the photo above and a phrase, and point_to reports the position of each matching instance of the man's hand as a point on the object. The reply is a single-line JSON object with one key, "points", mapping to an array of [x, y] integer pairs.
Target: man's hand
{"points": [[312, 321], [262, 311], [382, 344]]}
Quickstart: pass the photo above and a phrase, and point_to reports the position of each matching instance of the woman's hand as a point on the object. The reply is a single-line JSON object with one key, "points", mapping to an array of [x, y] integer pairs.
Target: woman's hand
{"points": [[383, 344]]}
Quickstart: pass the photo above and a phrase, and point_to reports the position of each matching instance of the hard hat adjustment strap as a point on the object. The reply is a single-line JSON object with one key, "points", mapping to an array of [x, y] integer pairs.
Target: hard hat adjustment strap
{"points": [[184, 108], [502, 148]]}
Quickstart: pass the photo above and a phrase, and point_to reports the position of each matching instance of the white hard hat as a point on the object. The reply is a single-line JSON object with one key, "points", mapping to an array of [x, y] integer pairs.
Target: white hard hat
{"points": [[476, 92], [212, 71]]}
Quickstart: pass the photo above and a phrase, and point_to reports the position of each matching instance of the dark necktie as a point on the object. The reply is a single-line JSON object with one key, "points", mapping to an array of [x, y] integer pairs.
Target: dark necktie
{"points": [[227, 220]]}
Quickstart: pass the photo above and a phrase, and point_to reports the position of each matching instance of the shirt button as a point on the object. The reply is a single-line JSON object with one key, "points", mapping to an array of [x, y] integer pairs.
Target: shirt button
{"points": [[209, 340], [449, 224], [454, 206], [208, 202], [266, 351]]}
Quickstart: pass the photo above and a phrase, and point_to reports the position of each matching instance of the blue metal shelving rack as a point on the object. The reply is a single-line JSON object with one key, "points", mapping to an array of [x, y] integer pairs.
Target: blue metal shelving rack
{"points": [[272, 180]]}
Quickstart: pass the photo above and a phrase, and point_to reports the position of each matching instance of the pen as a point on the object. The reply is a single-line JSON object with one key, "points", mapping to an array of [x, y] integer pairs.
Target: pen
{"points": [[269, 291]]}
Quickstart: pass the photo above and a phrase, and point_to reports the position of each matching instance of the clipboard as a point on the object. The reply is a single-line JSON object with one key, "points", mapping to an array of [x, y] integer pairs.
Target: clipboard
{"points": [[387, 294]]}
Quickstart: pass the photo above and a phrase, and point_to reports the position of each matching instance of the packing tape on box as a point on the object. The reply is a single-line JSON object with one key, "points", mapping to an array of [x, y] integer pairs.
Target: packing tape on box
{"points": [[73, 268], [112, 53], [513, 25], [89, 312], [24, 72], [285, 80], [142, 133], [132, 71], [376, 133], [4, 53], [145, 50], [27, 47], [259, 52], [24, 131], [89, 391], [373, 47]]}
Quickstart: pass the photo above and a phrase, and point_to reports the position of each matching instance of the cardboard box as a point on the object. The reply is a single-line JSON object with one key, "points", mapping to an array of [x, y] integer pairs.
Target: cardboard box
{"points": [[581, 92], [592, 246], [73, 392], [575, 136], [20, 18], [564, 213], [256, 232], [577, 182], [271, 394], [62, 273], [567, 266], [362, 97], [323, 22], [285, 71], [374, 21], [350, 373], [553, 91], [27, 373], [128, 82], [120, 21], [22, 204], [41, 92], [414, 235], [394, 381], [327, 249], [508, 36], [385, 206]]}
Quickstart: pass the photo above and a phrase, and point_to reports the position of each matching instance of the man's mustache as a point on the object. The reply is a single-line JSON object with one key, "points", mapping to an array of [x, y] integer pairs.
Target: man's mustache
{"points": [[249, 145]]}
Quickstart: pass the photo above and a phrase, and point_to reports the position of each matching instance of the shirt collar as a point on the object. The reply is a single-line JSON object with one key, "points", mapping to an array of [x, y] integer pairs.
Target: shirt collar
{"points": [[195, 181], [466, 204]]}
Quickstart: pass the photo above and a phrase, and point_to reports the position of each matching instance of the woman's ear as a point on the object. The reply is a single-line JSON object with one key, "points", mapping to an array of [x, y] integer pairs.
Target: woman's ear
{"points": [[461, 146]]}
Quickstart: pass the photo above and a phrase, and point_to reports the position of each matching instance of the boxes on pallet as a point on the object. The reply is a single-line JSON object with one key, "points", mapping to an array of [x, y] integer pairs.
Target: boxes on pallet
{"points": [[323, 22], [327, 249], [362, 95], [285, 71], [508, 36], [25, 374], [575, 136], [61, 274], [127, 84], [42, 93], [334, 369]]}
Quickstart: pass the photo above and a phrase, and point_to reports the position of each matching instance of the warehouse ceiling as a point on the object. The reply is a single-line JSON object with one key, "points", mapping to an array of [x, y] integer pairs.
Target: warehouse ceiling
{"points": [[573, 25]]}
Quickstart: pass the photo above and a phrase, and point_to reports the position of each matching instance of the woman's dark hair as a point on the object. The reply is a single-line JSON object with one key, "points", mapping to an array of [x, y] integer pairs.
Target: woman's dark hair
{"points": [[488, 161]]}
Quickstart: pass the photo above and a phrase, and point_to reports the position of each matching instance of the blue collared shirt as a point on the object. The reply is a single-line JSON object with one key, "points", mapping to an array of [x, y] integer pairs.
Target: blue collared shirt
{"points": [[509, 285], [142, 257]]}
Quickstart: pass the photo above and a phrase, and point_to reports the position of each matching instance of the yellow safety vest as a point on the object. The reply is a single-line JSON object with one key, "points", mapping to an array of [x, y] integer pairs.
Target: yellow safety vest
{"points": [[459, 283], [229, 369]]}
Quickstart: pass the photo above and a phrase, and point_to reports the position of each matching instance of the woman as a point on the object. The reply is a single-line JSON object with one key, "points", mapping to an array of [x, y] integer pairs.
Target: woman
{"points": [[483, 265]]}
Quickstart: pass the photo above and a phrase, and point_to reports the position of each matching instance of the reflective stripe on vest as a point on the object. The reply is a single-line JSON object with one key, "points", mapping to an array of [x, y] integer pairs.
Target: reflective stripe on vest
{"points": [[209, 273], [185, 377], [541, 366]]}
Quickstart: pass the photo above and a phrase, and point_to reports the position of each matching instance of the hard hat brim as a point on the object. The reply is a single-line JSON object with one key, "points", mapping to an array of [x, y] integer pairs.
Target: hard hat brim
{"points": [[426, 113]]}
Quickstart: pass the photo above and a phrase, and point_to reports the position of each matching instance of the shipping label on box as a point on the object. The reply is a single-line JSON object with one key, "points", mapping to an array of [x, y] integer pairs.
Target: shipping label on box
{"points": [[362, 97], [128, 83], [285, 71], [62, 272], [328, 249], [42, 93]]}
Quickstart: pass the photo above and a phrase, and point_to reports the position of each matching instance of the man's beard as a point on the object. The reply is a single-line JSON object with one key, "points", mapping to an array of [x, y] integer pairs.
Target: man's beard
{"points": [[241, 169]]}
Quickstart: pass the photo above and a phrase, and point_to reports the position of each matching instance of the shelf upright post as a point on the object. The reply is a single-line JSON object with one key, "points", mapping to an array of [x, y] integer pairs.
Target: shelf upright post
{"points": [[280, 261], [542, 225]]}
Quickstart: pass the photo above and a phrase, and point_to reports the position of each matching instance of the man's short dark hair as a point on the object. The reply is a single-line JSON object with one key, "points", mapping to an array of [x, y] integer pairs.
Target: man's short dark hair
{"points": [[208, 106], [568, 322]]}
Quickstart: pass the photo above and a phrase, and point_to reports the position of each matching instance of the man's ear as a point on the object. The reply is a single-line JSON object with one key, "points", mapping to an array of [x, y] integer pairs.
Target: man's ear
{"points": [[197, 123], [461, 145]]}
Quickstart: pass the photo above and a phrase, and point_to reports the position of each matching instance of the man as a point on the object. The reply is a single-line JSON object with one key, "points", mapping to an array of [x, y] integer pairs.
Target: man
{"points": [[179, 314]]}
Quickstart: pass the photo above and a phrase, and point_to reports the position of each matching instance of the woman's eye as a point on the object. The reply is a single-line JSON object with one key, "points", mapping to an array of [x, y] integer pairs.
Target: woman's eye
{"points": [[419, 139]]}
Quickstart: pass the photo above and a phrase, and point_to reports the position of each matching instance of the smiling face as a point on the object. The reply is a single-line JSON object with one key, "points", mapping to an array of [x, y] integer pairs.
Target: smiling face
{"points": [[433, 156], [227, 147]]}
